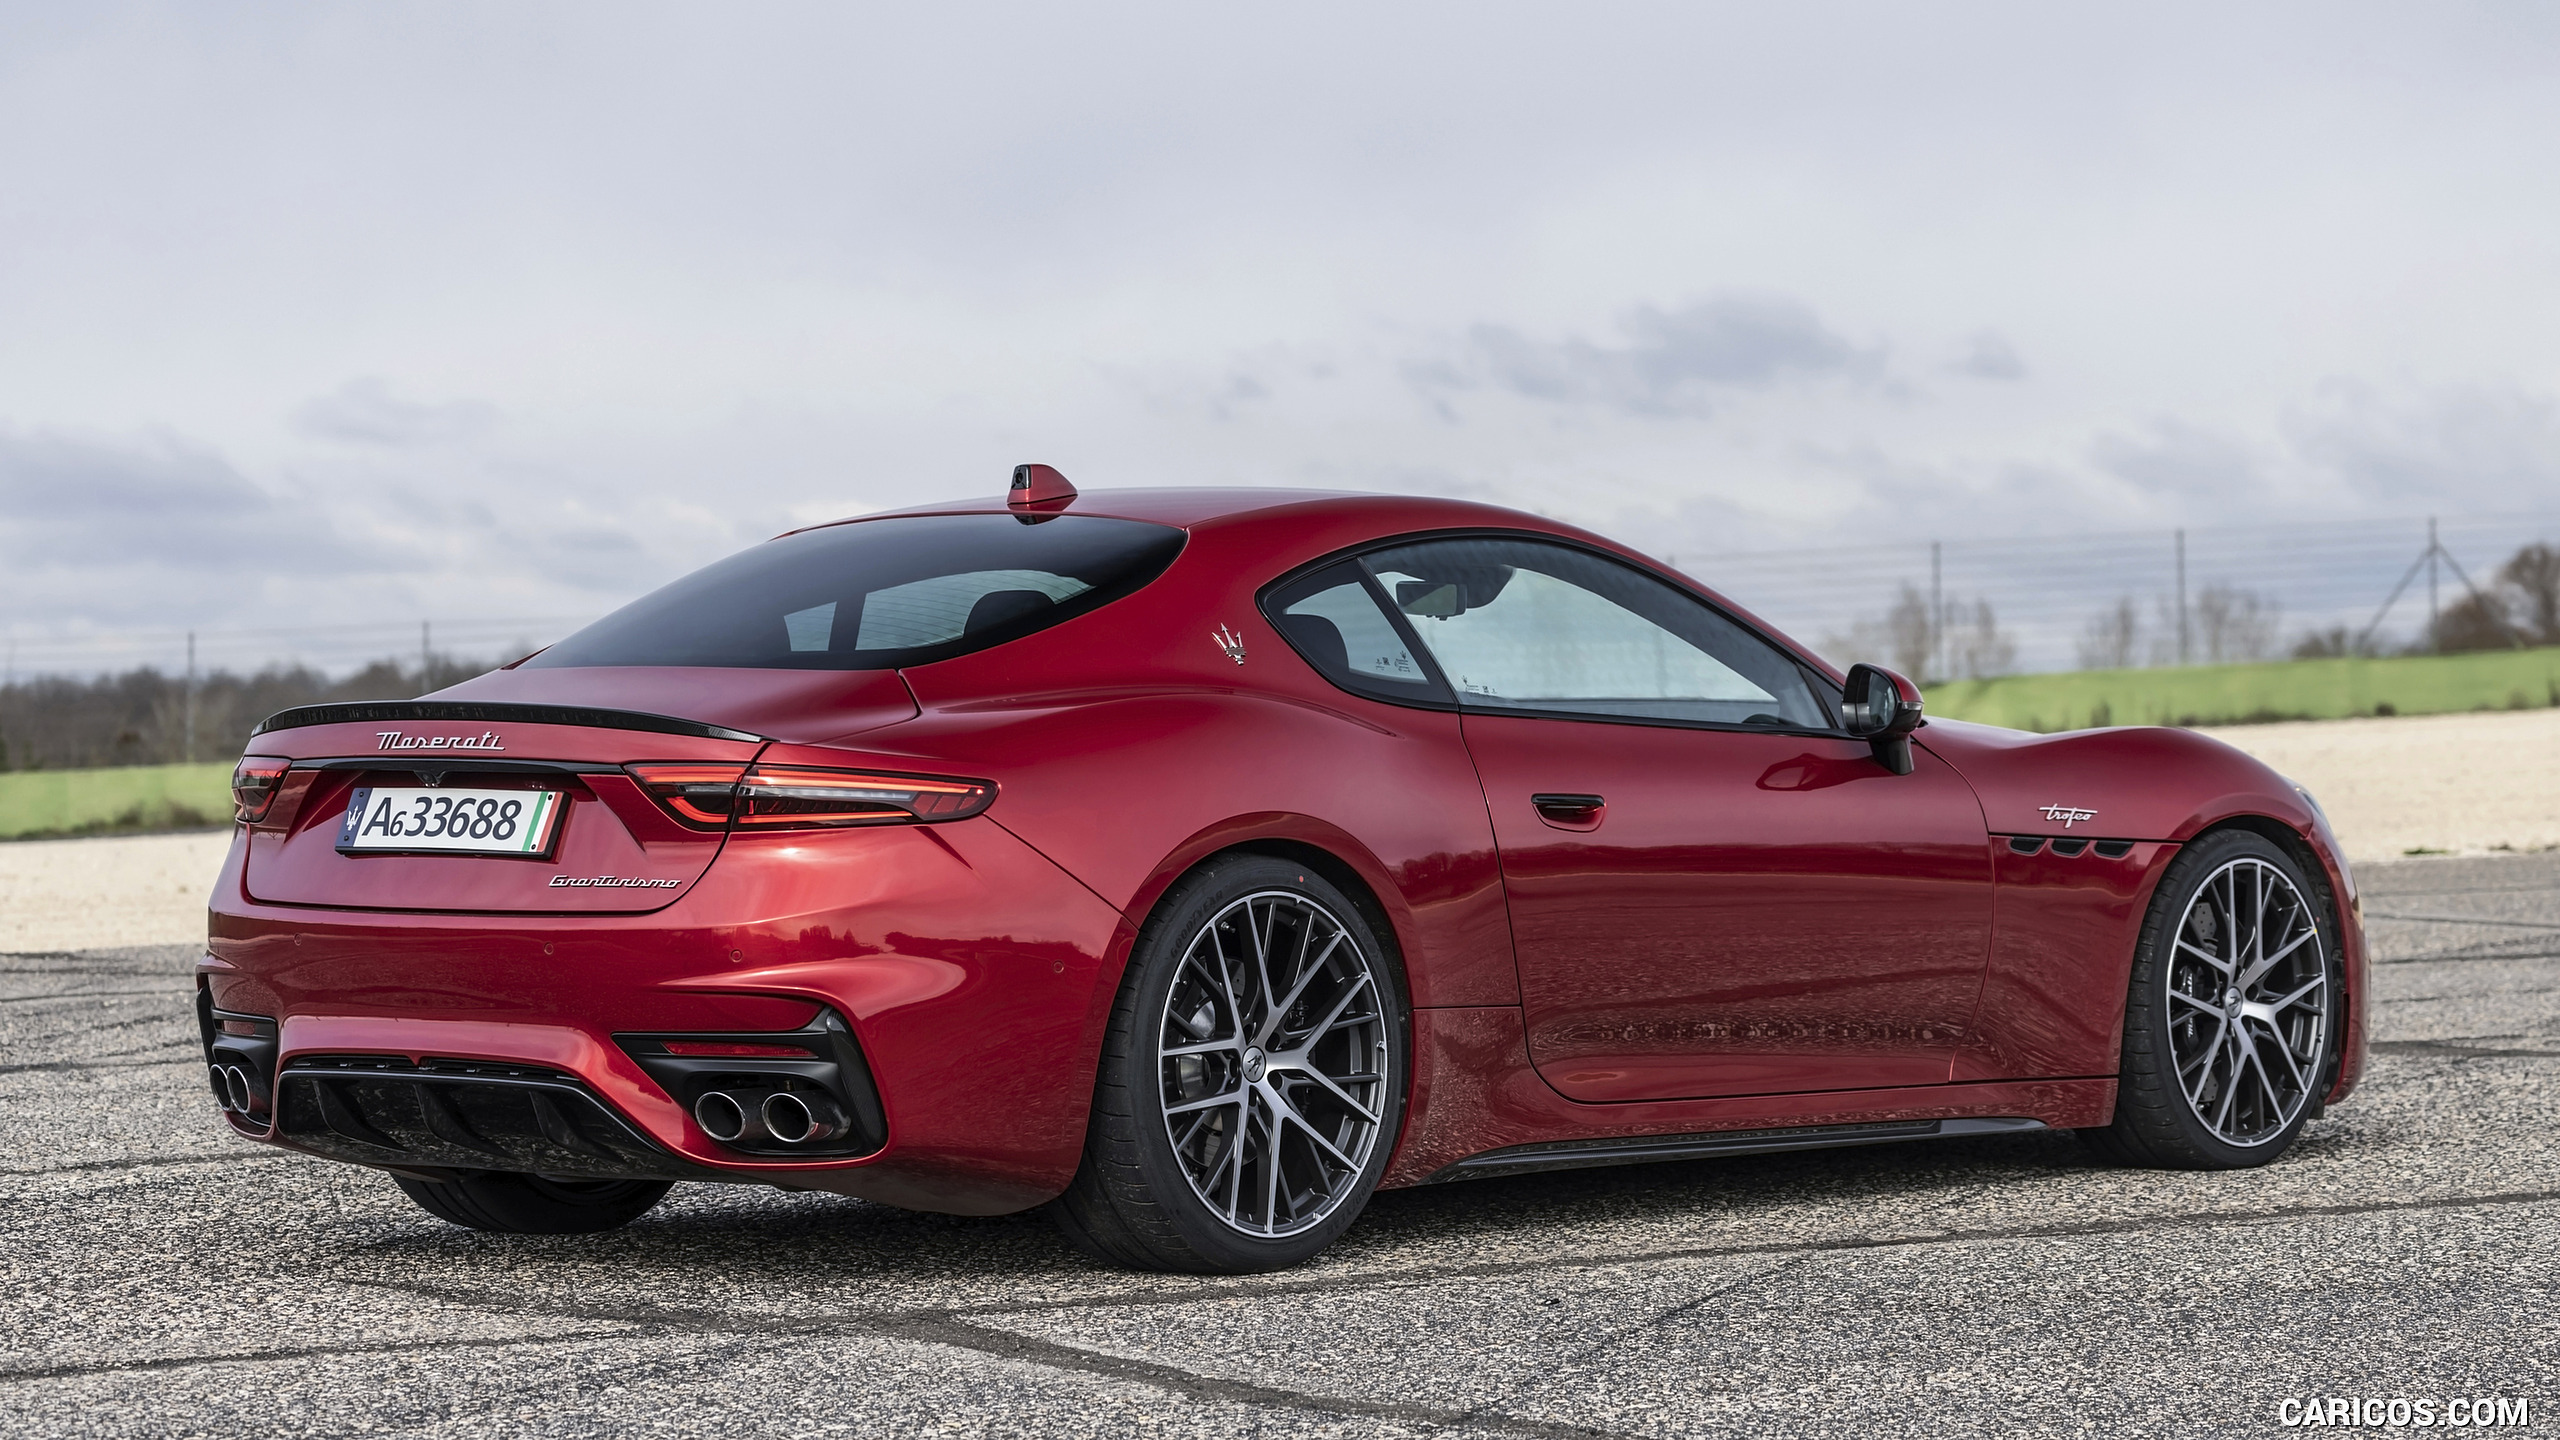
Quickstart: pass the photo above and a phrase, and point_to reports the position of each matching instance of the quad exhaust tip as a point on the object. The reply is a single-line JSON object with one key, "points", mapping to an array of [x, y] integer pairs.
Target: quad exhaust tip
{"points": [[231, 1087], [798, 1119], [785, 1117], [730, 1117]]}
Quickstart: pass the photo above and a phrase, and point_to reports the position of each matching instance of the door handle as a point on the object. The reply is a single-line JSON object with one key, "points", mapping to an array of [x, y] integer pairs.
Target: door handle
{"points": [[1570, 812]]}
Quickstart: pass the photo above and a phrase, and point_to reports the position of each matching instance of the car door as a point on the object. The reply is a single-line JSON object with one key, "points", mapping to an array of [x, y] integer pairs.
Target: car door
{"points": [[1712, 891]]}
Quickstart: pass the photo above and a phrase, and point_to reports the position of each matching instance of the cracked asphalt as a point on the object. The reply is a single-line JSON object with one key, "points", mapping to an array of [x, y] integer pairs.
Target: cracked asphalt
{"points": [[165, 1279]]}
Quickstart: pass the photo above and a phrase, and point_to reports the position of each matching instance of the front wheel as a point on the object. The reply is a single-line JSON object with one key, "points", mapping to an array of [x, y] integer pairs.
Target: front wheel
{"points": [[2231, 1027], [533, 1204], [1252, 1080]]}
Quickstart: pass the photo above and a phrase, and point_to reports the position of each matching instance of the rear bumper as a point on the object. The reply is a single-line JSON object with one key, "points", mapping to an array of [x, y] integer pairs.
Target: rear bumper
{"points": [[975, 974], [442, 1117]]}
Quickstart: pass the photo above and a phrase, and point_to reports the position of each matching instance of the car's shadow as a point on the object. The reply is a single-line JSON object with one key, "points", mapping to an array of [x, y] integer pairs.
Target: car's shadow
{"points": [[711, 1240]]}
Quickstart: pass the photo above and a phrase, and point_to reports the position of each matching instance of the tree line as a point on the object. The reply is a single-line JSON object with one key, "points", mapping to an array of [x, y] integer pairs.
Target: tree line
{"points": [[146, 717], [1958, 638]]}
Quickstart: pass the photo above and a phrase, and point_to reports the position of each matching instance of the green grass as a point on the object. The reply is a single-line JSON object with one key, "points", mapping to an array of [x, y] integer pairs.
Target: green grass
{"points": [[2242, 694], [38, 804]]}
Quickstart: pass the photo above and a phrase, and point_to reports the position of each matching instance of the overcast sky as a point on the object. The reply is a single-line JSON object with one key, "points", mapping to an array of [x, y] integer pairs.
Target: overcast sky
{"points": [[371, 311]]}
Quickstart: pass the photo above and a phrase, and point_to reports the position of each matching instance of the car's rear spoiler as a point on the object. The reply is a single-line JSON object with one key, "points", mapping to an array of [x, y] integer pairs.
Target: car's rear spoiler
{"points": [[374, 711]]}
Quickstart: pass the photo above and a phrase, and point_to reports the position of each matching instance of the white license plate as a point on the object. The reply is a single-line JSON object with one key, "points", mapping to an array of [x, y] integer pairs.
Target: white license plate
{"points": [[450, 821]]}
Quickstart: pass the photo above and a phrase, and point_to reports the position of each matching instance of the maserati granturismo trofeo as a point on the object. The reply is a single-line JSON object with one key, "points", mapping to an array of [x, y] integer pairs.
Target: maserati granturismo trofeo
{"points": [[1195, 863]]}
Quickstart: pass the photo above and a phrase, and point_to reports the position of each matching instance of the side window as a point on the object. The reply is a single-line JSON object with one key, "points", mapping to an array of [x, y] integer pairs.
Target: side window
{"points": [[1530, 626], [1330, 618]]}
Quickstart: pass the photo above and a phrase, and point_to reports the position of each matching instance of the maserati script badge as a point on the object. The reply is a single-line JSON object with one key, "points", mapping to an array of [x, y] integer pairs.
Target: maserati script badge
{"points": [[397, 740], [2068, 815], [1229, 641]]}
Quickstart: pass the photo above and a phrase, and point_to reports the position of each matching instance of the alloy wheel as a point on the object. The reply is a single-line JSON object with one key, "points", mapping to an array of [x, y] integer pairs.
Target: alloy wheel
{"points": [[1272, 1060], [2249, 1003]]}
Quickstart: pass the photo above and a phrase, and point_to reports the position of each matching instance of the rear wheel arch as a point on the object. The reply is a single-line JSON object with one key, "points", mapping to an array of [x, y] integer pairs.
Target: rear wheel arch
{"points": [[1325, 849], [1291, 838], [1336, 871], [1345, 877], [1135, 1202]]}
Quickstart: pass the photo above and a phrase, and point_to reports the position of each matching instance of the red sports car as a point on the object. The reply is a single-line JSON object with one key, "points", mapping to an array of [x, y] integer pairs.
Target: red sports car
{"points": [[1196, 862]]}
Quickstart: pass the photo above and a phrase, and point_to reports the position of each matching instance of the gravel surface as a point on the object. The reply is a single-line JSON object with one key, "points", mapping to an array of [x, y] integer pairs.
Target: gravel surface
{"points": [[165, 1279]]}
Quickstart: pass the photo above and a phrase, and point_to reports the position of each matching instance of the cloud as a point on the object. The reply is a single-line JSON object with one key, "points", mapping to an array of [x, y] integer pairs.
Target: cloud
{"points": [[2172, 459], [1989, 356], [158, 501], [160, 532], [2491, 447], [1667, 363], [365, 412]]}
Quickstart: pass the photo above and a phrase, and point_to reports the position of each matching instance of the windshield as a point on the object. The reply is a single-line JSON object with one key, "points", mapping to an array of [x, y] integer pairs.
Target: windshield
{"points": [[877, 594]]}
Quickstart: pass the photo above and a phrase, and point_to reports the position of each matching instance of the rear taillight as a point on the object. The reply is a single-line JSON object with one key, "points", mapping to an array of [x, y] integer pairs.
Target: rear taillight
{"points": [[801, 797], [253, 786], [790, 797], [697, 795]]}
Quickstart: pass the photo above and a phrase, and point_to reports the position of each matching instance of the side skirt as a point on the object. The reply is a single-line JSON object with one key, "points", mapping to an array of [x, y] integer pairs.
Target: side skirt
{"points": [[1637, 1150], [1478, 1107]]}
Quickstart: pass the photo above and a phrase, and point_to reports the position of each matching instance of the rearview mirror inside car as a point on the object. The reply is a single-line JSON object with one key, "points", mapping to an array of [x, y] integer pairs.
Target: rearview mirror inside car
{"points": [[1433, 600]]}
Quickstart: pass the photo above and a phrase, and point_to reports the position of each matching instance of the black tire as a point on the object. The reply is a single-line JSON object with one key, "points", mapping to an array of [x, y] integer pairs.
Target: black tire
{"points": [[2172, 1110], [512, 1204], [1135, 1201]]}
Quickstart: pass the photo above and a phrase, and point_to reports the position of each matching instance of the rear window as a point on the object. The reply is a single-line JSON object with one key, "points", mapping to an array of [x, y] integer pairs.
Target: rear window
{"points": [[877, 594]]}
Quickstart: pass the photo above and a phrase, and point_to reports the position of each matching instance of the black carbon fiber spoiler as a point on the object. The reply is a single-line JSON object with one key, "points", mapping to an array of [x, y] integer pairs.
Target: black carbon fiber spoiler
{"points": [[491, 713]]}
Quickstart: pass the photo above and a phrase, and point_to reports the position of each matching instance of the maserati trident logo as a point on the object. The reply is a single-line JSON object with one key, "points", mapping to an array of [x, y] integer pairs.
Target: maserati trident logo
{"points": [[395, 740], [1229, 641], [2068, 815]]}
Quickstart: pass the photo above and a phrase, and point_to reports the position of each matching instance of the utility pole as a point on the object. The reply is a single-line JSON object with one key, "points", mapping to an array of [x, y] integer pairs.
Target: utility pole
{"points": [[2433, 550], [2182, 597], [191, 698], [425, 655], [2428, 560], [1937, 616]]}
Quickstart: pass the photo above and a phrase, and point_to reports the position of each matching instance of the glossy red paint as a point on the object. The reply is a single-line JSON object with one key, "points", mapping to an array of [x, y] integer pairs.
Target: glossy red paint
{"points": [[1719, 931], [1475, 1090], [967, 963], [2060, 940], [2053, 1000], [1758, 929]]}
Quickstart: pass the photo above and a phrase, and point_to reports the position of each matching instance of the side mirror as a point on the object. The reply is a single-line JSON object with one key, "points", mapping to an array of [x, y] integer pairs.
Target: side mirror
{"points": [[1882, 708]]}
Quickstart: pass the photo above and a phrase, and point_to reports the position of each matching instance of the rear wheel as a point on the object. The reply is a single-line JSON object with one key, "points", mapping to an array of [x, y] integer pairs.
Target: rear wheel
{"points": [[534, 1205], [1252, 1081], [2231, 1026]]}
